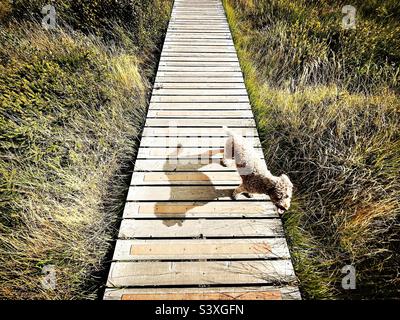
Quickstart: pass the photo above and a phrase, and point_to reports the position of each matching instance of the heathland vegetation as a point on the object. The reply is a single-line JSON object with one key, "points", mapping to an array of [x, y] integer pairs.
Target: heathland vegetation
{"points": [[327, 103], [72, 105]]}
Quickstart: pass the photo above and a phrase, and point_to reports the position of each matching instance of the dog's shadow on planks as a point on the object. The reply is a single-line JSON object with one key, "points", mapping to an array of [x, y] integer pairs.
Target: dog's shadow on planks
{"points": [[173, 212]]}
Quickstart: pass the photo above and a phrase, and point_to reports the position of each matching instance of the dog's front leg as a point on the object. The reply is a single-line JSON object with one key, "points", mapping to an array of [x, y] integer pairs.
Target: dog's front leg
{"points": [[238, 191]]}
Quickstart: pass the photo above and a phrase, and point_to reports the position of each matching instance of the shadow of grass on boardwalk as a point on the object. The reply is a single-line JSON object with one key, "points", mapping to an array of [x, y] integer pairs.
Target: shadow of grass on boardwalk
{"points": [[326, 102]]}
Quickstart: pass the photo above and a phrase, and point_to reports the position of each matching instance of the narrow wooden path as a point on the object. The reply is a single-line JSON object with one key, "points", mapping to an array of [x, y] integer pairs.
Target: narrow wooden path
{"points": [[182, 237]]}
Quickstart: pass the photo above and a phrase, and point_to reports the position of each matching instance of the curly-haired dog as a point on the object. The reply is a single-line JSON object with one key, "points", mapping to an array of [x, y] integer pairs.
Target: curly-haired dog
{"points": [[256, 178]]}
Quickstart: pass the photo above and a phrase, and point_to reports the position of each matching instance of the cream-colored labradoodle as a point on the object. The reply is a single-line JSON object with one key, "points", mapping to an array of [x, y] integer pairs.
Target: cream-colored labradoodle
{"points": [[256, 178]]}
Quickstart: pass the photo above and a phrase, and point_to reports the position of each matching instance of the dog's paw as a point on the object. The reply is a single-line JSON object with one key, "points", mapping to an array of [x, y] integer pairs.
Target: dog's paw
{"points": [[249, 195]]}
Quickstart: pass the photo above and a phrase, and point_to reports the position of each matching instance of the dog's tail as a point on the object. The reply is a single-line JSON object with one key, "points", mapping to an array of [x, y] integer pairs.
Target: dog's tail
{"points": [[227, 131]]}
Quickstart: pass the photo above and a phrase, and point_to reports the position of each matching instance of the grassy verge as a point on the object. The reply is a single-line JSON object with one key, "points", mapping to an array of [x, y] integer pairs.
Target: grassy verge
{"points": [[326, 101], [72, 105]]}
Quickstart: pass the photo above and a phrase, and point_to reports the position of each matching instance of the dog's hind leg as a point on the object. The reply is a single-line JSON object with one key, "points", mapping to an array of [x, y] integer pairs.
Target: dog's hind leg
{"points": [[228, 160]]}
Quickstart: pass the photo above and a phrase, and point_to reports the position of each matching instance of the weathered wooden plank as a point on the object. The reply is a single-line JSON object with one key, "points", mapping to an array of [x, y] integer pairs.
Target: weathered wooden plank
{"points": [[211, 293], [200, 54], [185, 57], [201, 249], [197, 26], [188, 22], [202, 85], [199, 22], [185, 3], [196, 69], [201, 19], [191, 142], [199, 49], [190, 79], [199, 92], [211, 113], [200, 29], [195, 17], [204, 44], [198, 36], [198, 228], [209, 7], [200, 105], [199, 273], [202, 12], [200, 26], [203, 114], [154, 122], [194, 32], [185, 178], [185, 193], [199, 209], [200, 42], [198, 4], [199, 15], [185, 152], [180, 165], [183, 165], [216, 23], [197, 132], [198, 63], [202, 74], [213, 99], [191, 5], [187, 36], [184, 32]]}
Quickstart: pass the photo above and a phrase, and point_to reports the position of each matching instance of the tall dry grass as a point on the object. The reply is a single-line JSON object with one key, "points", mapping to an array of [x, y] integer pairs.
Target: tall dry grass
{"points": [[327, 103], [72, 106]]}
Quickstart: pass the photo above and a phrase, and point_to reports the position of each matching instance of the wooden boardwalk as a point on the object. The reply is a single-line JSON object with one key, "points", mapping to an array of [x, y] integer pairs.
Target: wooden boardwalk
{"points": [[182, 237]]}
